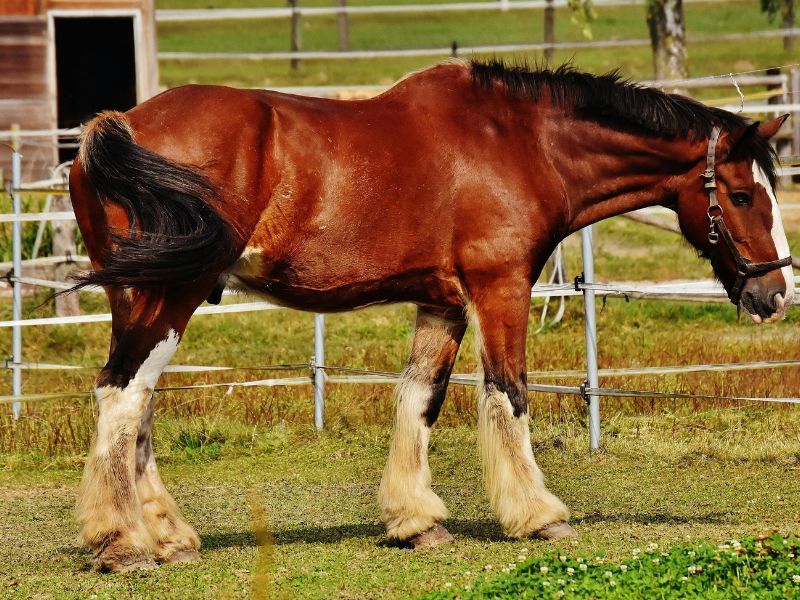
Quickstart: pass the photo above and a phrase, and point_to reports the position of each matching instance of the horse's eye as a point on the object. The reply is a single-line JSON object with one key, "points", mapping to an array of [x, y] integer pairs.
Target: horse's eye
{"points": [[740, 198]]}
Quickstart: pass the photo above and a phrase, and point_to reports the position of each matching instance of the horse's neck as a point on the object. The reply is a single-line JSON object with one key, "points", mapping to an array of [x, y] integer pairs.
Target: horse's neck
{"points": [[614, 172]]}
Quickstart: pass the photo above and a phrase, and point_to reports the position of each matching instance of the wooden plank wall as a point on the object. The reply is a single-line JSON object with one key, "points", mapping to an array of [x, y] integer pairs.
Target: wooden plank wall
{"points": [[25, 97], [24, 93]]}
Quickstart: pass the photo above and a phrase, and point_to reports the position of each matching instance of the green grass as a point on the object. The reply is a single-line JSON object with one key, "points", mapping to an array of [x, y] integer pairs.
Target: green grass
{"points": [[765, 567], [669, 480]]}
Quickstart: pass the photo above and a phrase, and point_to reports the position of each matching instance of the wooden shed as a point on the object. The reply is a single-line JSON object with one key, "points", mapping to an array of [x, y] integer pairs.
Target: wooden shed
{"points": [[61, 61]]}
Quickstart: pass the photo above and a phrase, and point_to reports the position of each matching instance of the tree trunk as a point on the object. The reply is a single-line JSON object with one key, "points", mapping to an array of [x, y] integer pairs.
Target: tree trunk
{"points": [[667, 38], [64, 233], [787, 22]]}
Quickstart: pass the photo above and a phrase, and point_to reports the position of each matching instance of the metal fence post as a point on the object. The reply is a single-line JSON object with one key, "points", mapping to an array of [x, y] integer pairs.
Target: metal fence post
{"points": [[795, 95], [319, 372], [590, 323], [16, 241]]}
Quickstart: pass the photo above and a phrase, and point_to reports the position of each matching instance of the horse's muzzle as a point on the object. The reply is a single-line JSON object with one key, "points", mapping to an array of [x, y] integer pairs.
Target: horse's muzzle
{"points": [[765, 300]]}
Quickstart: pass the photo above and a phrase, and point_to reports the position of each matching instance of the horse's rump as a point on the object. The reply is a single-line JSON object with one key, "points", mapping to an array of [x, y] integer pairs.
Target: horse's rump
{"points": [[174, 235]]}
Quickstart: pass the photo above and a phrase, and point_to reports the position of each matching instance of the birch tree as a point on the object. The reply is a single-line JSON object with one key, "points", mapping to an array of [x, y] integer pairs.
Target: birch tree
{"points": [[667, 38]]}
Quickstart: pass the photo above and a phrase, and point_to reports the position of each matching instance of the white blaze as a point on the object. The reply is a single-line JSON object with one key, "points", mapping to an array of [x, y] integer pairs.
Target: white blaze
{"points": [[778, 234]]}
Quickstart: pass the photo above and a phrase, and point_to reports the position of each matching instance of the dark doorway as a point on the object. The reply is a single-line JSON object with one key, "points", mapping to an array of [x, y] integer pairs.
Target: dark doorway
{"points": [[95, 69]]}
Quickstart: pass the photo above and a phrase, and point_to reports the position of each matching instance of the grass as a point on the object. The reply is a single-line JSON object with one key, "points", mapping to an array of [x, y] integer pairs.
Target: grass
{"points": [[765, 566], [317, 491]]}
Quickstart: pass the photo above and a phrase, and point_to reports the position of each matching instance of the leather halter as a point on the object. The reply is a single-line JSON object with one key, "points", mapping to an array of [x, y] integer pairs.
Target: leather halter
{"points": [[745, 268]]}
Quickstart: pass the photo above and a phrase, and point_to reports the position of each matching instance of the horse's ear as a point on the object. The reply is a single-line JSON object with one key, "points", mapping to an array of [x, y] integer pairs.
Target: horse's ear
{"points": [[768, 129], [742, 137]]}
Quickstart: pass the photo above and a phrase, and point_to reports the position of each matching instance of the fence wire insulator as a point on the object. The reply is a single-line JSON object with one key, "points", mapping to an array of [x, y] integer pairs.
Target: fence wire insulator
{"points": [[579, 281], [583, 391]]}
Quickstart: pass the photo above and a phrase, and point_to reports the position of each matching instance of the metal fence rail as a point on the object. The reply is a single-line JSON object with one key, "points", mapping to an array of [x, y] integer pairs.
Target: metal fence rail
{"points": [[319, 372]]}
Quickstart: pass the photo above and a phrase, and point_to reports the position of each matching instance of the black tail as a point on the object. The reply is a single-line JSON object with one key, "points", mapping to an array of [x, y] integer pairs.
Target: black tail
{"points": [[174, 236]]}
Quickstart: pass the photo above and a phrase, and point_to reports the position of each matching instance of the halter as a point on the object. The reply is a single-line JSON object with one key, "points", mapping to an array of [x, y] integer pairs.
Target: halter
{"points": [[745, 268]]}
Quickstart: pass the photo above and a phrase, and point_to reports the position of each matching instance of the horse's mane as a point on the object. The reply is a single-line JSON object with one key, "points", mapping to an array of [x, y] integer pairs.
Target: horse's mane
{"points": [[613, 99]]}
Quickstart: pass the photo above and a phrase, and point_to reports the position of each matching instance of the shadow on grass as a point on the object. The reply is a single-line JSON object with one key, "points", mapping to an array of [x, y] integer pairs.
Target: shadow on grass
{"points": [[486, 530], [310, 535], [652, 519]]}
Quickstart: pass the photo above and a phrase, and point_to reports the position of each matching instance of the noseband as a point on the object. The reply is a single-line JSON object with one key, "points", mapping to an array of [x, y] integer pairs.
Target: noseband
{"points": [[745, 268]]}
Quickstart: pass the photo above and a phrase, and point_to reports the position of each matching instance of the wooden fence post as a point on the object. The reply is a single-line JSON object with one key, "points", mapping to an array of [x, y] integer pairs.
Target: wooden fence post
{"points": [[549, 33], [344, 26], [297, 33]]}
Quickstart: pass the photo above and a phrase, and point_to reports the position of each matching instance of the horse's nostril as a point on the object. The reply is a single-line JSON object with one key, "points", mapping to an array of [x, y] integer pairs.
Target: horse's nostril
{"points": [[772, 303], [748, 302]]}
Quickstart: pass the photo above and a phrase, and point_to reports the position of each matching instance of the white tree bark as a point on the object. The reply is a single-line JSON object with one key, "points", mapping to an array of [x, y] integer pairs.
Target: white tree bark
{"points": [[667, 38]]}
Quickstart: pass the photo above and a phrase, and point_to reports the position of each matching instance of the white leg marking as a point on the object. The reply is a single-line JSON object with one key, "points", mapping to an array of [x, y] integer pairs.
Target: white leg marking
{"points": [[778, 236], [408, 504], [122, 409], [514, 482], [108, 502]]}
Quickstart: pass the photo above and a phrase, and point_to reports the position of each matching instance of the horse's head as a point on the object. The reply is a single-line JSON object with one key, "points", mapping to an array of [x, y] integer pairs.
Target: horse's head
{"points": [[730, 214]]}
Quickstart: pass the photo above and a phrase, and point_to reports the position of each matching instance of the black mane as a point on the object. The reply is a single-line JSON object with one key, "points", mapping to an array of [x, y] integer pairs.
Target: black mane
{"points": [[612, 98]]}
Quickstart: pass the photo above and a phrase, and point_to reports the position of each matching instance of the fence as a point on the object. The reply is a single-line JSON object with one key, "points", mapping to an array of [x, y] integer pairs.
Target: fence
{"points": [[294, 13], [584, 285]]}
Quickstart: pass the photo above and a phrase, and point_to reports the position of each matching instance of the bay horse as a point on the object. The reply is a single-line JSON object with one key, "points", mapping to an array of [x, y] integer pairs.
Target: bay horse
{"points": [[449, 191]]}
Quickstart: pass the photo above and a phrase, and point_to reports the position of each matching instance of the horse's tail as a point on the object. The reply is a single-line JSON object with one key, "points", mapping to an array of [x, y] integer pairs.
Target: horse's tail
{"points": [[175, 236]]}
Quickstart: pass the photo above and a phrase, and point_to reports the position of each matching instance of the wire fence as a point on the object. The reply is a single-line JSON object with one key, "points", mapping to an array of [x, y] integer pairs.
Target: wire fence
{"points": [[467, 50], [318, 372]]}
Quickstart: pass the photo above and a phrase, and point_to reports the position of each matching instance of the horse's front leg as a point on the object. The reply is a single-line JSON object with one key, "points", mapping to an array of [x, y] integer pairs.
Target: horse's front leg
{"points": [[175, 540], [514, 482], [413, 513]]}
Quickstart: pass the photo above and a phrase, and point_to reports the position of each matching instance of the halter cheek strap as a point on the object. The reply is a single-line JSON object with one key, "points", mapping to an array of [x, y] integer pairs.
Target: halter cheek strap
{"points": [[745, 268]]}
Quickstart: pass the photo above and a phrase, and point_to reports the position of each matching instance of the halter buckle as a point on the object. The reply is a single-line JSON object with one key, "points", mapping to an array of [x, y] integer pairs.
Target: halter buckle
{"points": [[713, 236]]}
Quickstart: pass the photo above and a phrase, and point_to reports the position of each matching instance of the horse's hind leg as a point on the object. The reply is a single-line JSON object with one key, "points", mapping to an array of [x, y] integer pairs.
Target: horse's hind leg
{"points": [[515, 485], [175, 540], [146, 329], [409, 507]]}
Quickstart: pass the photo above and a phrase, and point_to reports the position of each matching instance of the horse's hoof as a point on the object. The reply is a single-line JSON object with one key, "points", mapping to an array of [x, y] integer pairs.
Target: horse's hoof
{"points": [[182, 556], [432, 537], [109, 564], [555, 531]]}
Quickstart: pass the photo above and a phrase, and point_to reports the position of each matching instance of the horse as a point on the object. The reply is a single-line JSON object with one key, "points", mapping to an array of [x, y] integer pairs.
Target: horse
{"points": [[449, 190]]}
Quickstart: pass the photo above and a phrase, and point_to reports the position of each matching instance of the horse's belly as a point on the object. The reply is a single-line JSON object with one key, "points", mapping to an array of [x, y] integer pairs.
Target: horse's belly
{"points": [[304, 287]]}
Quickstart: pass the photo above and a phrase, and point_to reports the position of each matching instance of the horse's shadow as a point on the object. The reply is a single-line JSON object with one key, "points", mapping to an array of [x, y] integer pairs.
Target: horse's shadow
{"points": [[484, 530]]}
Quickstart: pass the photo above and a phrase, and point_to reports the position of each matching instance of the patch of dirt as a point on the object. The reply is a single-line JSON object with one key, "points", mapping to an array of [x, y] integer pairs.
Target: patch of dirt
{"points": [[12, 493]]}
